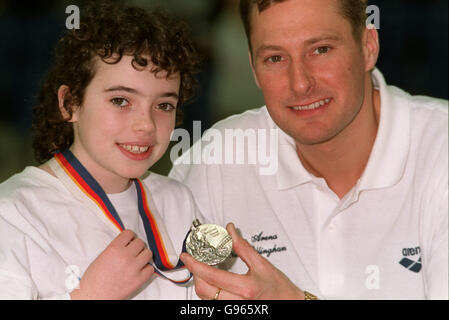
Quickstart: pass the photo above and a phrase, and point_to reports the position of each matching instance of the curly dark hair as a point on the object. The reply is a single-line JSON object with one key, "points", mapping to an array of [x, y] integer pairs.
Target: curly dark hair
{"points": [[109, 30]]}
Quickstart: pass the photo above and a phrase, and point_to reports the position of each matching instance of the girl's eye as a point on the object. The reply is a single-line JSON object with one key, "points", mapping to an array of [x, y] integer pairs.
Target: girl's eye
{"points": [[321, 50], [120, 102], [274, 59], [166, 107]]}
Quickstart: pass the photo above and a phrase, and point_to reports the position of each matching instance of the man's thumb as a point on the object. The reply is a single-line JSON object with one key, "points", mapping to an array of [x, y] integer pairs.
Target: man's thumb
{"points": [[242, 248]]}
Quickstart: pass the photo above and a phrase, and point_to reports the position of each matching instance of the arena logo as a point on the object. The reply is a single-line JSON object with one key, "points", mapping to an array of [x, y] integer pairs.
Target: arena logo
{"points": [[229, 146]]}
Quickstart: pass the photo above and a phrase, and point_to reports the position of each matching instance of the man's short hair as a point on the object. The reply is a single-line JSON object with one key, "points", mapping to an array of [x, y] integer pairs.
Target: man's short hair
{"points": [[353, 10]]}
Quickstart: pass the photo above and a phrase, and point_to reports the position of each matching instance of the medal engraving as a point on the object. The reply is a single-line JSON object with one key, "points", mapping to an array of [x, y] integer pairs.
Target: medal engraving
{"points": [[208, 243]]}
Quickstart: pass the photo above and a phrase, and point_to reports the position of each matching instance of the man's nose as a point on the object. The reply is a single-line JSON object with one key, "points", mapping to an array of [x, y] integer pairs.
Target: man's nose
{"points": [[301, 79]]}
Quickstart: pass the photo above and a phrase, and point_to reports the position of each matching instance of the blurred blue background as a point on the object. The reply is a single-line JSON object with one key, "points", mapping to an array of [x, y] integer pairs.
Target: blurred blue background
{"points": [[414, 56]]}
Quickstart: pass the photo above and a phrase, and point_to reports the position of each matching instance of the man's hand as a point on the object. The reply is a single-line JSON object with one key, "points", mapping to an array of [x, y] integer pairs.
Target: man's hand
{"points": [[118, 272], [262, 281]]}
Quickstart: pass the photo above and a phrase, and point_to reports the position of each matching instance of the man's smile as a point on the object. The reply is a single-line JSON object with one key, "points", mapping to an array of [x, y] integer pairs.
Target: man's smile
{"points": [[312, 106]]}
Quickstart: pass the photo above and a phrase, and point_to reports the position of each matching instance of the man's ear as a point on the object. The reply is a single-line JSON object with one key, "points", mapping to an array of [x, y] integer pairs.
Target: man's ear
{"points": [[370, 46], [250, 56], [63, 104]]}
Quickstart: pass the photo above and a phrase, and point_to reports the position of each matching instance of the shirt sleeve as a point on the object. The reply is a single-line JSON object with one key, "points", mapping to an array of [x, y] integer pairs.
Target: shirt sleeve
{"points": [[16, 281], [15, 287]]}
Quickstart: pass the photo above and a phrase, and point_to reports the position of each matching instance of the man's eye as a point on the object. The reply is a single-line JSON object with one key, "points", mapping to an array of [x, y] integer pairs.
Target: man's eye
{"points": [[166, 107], [120, 102], [274, 59], [321, 50]]}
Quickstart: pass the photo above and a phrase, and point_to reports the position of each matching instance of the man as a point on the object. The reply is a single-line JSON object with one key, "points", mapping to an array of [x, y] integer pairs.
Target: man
{"points": [[358, 206]]}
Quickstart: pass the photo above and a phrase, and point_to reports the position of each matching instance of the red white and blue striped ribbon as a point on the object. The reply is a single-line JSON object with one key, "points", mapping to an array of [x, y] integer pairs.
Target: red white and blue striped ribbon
{"points": [[164, 256]]}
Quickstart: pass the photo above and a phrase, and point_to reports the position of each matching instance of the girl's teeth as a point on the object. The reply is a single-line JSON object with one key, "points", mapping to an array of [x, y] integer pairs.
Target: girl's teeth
{"points": [[134, 149]]}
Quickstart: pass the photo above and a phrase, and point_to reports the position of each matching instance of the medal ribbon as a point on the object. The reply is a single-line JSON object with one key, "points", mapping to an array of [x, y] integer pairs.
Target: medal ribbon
{"points": [[155, 233]]}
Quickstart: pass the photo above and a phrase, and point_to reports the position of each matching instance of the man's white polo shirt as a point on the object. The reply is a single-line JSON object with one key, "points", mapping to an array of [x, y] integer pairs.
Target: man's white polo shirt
{"points": [[386, 239]]}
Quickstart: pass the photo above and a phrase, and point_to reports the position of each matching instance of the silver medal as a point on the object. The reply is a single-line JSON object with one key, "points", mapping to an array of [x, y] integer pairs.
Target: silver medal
{"points": [[208, 243]]}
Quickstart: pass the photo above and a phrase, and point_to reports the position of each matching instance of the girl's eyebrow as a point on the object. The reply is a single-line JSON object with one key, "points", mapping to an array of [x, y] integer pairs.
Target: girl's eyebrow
{"points": [[170, 95], [134, 91], [123, 88]]}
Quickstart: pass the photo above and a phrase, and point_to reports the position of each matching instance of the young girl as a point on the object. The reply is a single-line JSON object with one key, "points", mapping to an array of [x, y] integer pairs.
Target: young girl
{"points": [[81, 225]]}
